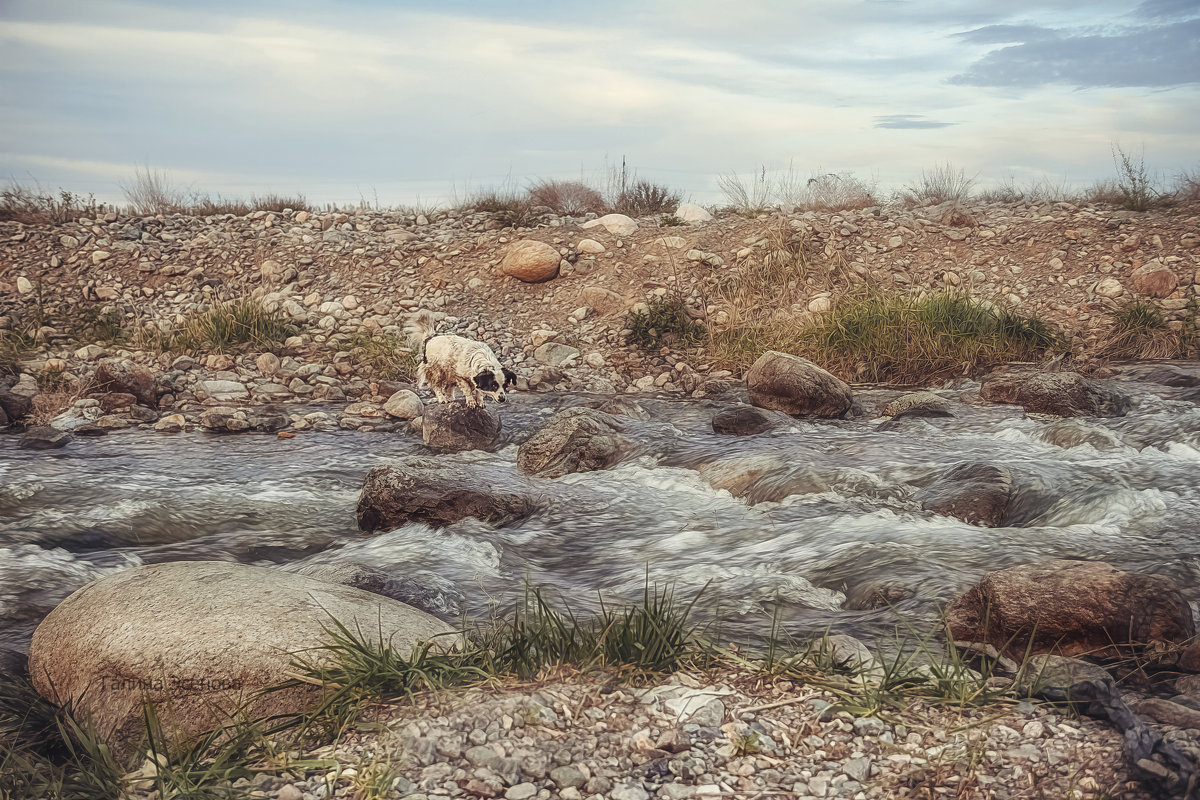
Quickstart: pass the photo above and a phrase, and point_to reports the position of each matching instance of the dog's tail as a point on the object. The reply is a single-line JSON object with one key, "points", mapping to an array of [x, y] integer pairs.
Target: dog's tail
{"points": [[420, 329]]}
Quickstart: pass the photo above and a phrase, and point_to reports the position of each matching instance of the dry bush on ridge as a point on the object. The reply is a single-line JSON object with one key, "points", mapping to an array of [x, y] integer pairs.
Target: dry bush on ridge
{"points": [[569, 198], [826, 192], [34, 207], [939, 184]]}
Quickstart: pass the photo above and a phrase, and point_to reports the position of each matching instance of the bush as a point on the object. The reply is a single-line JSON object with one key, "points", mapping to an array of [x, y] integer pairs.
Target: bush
{"points": [[664, 322], [1134, 185], [889, 337], [940, 184], [750, 197], [570, 198], [827, 192], [512, 209], [645, 198]]}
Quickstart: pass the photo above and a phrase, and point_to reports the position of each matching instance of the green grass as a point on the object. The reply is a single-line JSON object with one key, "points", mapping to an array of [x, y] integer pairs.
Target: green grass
{"points": [[389, 357], [664, 322], [1139, 330], [232, 327], [891, 337], [15, 346]]}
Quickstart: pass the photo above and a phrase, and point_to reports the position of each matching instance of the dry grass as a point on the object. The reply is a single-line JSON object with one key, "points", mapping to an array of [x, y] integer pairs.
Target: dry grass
{"points": [[828, 191], [1036, 190], [750, 196], [569, 198], [1140, 330], [939, 184], [232, 327], [390, 358], [511, 208], [34, 206]]}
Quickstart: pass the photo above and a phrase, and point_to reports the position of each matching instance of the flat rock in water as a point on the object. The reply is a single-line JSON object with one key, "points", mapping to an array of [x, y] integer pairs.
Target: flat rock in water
{"points": [[742, 421], [974, 492], [43, 437], [199, 639], [438, 493], [1065, 394], [577, 439]]}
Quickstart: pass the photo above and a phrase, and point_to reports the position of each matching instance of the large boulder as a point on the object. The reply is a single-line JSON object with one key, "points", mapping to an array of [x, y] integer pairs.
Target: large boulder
{"points": [[16, 399], [578, 439], [690, 212], [123, 375], [531, 262], [201, 639], [404, 404], [1154, 279], [796, 386], [1070, 608], [439, 492], [454, 428], [1066, 394], [974, 492], [43, 437]]}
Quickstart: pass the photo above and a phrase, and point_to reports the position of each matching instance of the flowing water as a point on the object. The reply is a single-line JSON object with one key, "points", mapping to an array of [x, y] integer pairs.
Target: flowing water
{"points": [[841, 518]]}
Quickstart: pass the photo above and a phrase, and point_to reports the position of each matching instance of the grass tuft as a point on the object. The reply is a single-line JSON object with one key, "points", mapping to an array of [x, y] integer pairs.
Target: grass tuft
{"points": [[664, 322], [33, 206], [232, 327], [749, 197], [512, 208], [890, 337], [644, 199], [570, 198], [390, 357], [824, 192], [939, 184], [1140, 330]]}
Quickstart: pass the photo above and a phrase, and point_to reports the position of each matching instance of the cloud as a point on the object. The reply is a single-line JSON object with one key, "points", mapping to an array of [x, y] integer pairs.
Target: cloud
{"points": [[909, 121], [1159, 56]]}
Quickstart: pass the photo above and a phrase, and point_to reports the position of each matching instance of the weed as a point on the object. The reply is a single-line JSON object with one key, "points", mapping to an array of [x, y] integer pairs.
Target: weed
{"points": [[940, 184], [1134, 185], [512, 209], [1140, 330], [36, 207], [644, 198], [823, 192], [570, 198], [1187, 187], [670, 221], [15, 346], [152, 192], [389, 358], [751, 197], [228, 328], [1038, 190], [665, 321]]}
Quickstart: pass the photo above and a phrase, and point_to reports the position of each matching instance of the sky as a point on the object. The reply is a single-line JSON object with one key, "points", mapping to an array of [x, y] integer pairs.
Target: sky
{"points": [[427, 102]]}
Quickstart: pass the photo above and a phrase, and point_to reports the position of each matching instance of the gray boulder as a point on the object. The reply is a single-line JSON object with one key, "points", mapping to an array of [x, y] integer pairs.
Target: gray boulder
{"points": [[440, 493], [1065, 394], [454, 428], [43, 437], [577, 439], [201, 639], [796, 386]]}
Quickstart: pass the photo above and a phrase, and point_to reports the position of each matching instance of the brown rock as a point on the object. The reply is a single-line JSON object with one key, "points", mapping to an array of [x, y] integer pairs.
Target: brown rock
{"points": [[1154, 279], [976, 493], [742, 421], [123, 375], [1070, 608], [455, 427], [578, 439], [796, 386], [532, 262], [198, 639], [605, 301], [1168, 713], [1067, 394]]}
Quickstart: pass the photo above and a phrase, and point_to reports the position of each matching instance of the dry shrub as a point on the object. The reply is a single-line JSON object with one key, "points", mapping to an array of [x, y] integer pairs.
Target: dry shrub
{"points": [[35, 207], [645, 198], [569, 198], [750, 197], [824, 192], [510, 207], [152, 192], [1140, 330], [941, 183]]}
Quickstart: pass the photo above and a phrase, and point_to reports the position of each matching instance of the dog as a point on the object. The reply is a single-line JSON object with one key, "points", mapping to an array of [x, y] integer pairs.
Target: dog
{"points": [[448, 361]]}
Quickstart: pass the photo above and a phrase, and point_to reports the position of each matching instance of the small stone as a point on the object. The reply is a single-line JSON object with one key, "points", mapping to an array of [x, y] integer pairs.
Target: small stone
{"points": [[100, 256], [522, 791], [628, 791], [24, 286], [567, 776], [858, 768]]}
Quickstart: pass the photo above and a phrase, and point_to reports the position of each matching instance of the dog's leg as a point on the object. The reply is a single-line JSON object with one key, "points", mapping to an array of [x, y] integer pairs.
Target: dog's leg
{"points": [[470, 395], [439, 391]]}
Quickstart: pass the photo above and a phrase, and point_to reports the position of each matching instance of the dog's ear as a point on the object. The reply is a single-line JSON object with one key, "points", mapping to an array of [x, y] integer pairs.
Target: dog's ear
{"points": [[486, 381], [510, 377]]}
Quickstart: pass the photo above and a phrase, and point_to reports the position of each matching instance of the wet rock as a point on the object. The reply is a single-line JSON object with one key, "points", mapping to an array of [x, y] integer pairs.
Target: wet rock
{"points": [[876, 594], [17, 400], [172, 423], [1070, 608], [125, 376], [531, 262], [444, 602], [224, 418], [974, 492], [43, 437], [1065, 394], [919, 404], [620, 407], [796, 386], [267, 420], [1163, 374], [454, 428], [440, 493], [577, 439], [742, 421], [136, 636]]}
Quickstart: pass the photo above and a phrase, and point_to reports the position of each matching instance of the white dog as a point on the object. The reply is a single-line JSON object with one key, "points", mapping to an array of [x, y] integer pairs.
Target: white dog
{"points": [[448, 361]]}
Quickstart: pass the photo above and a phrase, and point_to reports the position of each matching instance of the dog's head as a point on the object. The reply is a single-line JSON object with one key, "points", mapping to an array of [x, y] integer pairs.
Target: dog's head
{"points": [[492, 383]]}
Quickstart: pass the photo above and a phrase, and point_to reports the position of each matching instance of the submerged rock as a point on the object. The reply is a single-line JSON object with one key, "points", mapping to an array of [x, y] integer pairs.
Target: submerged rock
{"points": [[742, 421], [919, 404], [1071, 608], [974, 492], [443, 601], [201, 639], [439, 493], [1065, 394], [577, 439], [796, 386], [43, 437], [455, 428]]}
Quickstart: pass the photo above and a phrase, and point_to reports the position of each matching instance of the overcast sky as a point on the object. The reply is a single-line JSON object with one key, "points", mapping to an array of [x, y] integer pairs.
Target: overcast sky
{"points": [[432, 100]]}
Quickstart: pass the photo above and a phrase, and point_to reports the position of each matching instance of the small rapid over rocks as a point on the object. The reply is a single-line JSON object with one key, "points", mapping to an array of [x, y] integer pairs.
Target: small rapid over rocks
{"points": [[797, 524]]}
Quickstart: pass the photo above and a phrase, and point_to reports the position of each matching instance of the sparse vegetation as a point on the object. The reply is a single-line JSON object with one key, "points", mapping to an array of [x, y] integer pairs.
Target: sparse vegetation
{"points": [[828, 191], [750, 197], [231, 327], [644, 198], [569, 198], [33, 206], [664, 321], [1140, 330], [390, 358], [939, 184], [1135, 187], [15, 346], [513, 208], [153, 192], [1037, 190]]}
